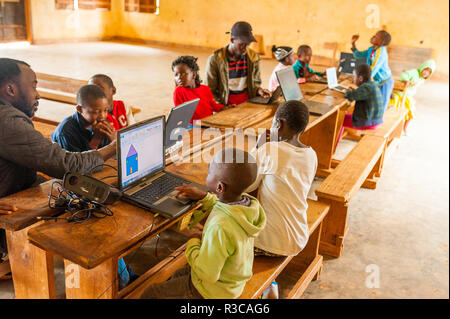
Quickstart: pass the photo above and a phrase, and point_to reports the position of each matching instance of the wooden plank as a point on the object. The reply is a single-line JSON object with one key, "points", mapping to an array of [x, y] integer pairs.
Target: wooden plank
{"points": [[349, 175], [59, 83], [392, 118], [45, 129], [5, 268], [63, 97]]}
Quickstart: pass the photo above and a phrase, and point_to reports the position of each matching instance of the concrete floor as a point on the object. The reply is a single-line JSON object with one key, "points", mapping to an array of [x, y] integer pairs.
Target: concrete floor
{"points": [[401, 228]]}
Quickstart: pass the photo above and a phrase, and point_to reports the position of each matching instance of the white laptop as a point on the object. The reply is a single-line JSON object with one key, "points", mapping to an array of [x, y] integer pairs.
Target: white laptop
{"points": [[332, 81]]}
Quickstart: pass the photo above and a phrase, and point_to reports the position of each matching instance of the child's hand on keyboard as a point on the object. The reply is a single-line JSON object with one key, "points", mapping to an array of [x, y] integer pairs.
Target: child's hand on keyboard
{"points": [[189, 191]]}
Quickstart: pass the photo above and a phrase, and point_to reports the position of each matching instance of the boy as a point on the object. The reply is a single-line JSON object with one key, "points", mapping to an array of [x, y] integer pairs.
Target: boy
{"points": [[87, 129], [376, 56], [221, 262], [286, 169], [369, 108], [301, 66], [118, 115]]}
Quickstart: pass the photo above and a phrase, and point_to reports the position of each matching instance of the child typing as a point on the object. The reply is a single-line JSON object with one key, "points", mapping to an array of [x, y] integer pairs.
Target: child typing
{"points": [[220, 263], [301, 66], [285, 57]]}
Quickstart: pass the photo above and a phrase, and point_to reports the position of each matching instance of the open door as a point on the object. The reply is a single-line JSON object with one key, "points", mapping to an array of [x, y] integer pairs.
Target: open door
{"points": [[13, 20]]}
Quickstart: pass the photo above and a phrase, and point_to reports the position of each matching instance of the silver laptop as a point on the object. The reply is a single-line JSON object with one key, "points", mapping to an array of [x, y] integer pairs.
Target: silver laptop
{"points": [[332, 81], [176, 124], [141, 170], [291, 91]]}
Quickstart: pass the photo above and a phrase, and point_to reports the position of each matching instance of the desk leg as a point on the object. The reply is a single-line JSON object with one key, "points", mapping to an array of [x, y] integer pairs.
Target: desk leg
{"points": [[100, 282], [334, 229], [31, 267]]}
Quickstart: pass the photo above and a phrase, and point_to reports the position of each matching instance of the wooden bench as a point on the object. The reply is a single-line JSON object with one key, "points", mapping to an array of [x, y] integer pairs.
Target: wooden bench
{"points": [[293, 273], [357, 169]]}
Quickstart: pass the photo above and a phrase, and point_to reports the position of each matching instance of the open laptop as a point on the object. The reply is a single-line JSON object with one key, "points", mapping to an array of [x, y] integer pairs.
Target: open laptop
{"points": [[291, 91], [267, 100], [347, 63], [176, 124], [332, 81], [141, 170]]}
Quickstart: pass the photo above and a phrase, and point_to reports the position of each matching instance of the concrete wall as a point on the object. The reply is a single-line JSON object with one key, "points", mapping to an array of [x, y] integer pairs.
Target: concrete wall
{"points": [[415, 23]]}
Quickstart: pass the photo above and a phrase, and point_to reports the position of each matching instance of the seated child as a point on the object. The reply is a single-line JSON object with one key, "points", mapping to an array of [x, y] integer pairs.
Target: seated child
{"points": [[119, 115], [285, 57], [376, 56], [88, 129], [189, 87], [286, 169], [413, 78], [301, 66], [221, 262]]}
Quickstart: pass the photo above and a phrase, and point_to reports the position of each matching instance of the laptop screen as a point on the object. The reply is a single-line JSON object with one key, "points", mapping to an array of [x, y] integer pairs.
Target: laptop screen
{"points": [[289, 86], [331, 77], [141, 151]]}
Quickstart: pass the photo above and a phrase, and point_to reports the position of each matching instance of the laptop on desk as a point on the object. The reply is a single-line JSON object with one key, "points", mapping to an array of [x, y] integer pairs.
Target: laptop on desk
{"points": [[176, 124], [141, 169], [291, 91], [267, 100], [347, 63], [332, 81]]}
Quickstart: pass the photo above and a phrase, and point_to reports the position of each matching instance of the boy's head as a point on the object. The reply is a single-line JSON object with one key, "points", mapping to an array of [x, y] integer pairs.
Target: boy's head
{"points": [[241, 37], [186, 71], [381, 38], [362, 74], [231, 171], [92, 104], [107, 85], [291, 119], [304, 53], [284, 55]]}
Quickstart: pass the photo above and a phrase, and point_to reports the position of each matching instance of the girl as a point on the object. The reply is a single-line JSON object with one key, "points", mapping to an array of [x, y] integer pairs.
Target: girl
{"points": [[189, 87], [285, 57]]}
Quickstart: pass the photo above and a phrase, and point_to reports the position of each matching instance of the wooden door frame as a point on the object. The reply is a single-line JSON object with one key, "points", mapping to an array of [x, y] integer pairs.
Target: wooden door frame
{"points": [[28, 21]]}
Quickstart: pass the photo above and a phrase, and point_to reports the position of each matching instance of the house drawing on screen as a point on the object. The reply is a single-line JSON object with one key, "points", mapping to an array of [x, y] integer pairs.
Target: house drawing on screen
{"points": [[132, 161]]}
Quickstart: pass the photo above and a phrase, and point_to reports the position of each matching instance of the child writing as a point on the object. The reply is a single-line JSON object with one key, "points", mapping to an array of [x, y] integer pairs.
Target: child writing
{"points": [[118, 115], [189, 87], [413, 79], [377, 58], [286, 170], [285, 57], [220, 263], [301, 67]]}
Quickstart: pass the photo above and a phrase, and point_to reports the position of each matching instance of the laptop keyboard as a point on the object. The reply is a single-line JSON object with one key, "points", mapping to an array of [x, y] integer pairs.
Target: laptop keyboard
{"points": [[159, 188], [340, 87]]}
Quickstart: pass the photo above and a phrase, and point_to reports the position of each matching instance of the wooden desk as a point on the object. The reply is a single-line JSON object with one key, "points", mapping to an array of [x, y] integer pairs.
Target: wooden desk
{"points": [[46, 128]]}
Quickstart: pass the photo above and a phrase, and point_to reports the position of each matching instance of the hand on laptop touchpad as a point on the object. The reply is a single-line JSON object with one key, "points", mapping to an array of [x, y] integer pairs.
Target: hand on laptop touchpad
{"points": [[181, 199]]}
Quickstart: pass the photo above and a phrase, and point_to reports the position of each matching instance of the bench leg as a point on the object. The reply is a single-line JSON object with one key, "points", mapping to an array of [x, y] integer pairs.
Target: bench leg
{"points": [[100, 282], [334, 229], [31, 267], [372, 180]]}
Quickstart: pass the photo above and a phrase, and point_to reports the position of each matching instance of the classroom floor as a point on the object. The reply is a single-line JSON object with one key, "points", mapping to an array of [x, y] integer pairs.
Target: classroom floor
{"points": [[401, 228]]}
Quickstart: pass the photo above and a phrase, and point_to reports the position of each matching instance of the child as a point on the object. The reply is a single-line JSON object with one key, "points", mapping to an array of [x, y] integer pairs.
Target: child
{"points": [[301, 66], [413, 78], [376, 56], [286, 169], [189, 87], [285, 57], [118, 115], [88, 129], [220, 263]]}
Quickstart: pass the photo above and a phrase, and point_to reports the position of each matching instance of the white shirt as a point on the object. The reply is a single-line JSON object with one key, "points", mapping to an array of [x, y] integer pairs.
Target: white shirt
{"points": [[285, 174]]}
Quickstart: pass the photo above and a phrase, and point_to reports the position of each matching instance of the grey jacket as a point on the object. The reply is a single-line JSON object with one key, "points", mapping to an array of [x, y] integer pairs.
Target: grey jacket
{"points": [[217, 74], [24, 151]]}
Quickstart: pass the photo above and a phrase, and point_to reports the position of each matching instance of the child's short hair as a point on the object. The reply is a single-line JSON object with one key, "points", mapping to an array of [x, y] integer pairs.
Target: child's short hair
{"points": [[303, 49], [104, 78], [364, 70], [282, 53], [88, 93], [191, 63], [386, 37], [295, 113]]}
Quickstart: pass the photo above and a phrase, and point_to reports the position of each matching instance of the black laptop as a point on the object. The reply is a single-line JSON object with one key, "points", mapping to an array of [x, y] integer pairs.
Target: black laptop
{"points": [[141, 170], [347, 63], [267, 100], [291, 91]]}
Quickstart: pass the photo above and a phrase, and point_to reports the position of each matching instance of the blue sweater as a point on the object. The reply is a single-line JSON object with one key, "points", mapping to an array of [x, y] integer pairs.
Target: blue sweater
{"points": [[379, 63]]}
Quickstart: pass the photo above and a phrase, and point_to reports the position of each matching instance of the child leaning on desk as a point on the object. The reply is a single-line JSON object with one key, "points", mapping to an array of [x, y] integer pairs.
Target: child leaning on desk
{"points": [[221, 262]]}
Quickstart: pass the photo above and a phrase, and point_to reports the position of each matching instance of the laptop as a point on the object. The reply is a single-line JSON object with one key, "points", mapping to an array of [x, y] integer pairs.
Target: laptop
{"points": [[143, 180], [347, 63], [176, 124], [332, 81], [291, 91], [267, 100]]}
